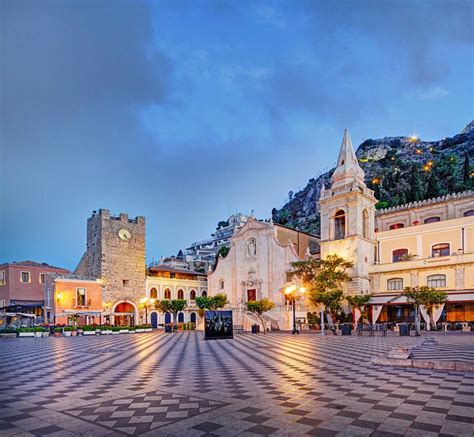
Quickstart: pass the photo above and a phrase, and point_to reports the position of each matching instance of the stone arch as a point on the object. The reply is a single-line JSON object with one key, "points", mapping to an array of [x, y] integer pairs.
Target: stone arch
{"points": [[123, 307]]}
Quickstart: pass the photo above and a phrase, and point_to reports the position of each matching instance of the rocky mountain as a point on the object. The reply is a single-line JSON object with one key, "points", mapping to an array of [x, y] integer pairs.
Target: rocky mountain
{"points": [[399, 170]]}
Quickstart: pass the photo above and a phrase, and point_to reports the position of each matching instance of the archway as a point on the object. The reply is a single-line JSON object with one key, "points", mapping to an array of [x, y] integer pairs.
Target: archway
{"points": [[181, 318], [154, 320], [124, 313], [193, 318], [167, 318]]}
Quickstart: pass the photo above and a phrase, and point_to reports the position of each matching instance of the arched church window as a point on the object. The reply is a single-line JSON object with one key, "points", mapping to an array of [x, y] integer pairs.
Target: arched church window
{"points": [[167, 293], [180, 294], [153, 293], [339, 225], [365, 224]]}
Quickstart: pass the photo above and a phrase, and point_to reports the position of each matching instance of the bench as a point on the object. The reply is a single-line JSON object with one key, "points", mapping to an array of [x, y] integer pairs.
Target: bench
{"points": [[371, 328]]}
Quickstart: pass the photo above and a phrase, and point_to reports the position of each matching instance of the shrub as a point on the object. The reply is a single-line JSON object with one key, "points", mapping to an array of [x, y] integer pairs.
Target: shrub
{"points": [[115, 328], [68, 328], [39, 329], [89, 328], [58, 329]]}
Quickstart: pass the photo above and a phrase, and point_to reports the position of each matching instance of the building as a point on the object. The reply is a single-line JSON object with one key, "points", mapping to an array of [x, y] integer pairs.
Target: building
{"points": [[423, 243], [116, 256], [71, 299], [22, 286], [256, 267], [202, 254], [166, 282]]}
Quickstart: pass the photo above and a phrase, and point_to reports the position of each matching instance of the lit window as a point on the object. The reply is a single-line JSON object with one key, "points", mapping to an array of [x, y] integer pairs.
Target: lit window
{"points": [[440, 250], [3, 279], [192, 295], [81, 297], [432, 220], [399, 255], [25, 276], [395, 284], [180, 294], [436, 281], [469, 213], [153, 294], [41, 278], [396, 226], [339, 225], [167, 293]]}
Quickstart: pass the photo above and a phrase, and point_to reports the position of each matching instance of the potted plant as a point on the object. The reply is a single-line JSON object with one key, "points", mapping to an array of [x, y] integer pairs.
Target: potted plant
{"points": [[104, 330], [147, 328], [26, 332], [67, 331], [46, 331], [132, 329], [38, 330], [123, 330], [88, 330], [73, 331], [80, 330], [139, 328], [57, 331], [115, 330]]}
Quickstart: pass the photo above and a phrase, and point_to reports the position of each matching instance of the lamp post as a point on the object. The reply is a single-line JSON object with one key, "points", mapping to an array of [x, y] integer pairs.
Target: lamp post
{"points": [[145, 302], [293, 293]]}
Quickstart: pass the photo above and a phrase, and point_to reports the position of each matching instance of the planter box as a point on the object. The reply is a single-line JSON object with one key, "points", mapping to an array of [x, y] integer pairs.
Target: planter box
{"points": [[57, 334], [132, 331], [88, 333], [73, 333], [139, 330], [38, 334], [105, 332], [26, 334], [148, 330], [45, 334], [115, 332], [124, 331], [67, 333]]}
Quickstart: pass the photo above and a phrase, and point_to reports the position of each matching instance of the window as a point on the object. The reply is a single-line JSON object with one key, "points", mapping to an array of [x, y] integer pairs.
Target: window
{"points": [[167, 293], [399, 255], [81, 297], [469, 213], [41, 278], [25, 276], [125, 282], [3, 279], [440, 250], [204, 293], [339, 225], [172, 275], [221, 284], [192, 295], [180, 294], [436, 281], [396, 226], [432, 220], [395, 284], [153, 294]]}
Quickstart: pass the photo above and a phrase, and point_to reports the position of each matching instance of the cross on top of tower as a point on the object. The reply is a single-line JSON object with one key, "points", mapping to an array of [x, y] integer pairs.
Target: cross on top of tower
{"points": [[348, 168]]}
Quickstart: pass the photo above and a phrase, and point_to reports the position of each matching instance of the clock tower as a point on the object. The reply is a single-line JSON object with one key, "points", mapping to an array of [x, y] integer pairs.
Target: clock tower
{"points": [[116, 255]]}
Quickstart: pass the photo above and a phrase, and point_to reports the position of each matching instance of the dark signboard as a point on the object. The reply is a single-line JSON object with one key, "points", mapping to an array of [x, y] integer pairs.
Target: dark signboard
{"points": [[218, 325]]}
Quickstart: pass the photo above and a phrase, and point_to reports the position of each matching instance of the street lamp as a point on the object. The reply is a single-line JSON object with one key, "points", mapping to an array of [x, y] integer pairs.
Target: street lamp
{"points": [[293, 293], [145, 302]]}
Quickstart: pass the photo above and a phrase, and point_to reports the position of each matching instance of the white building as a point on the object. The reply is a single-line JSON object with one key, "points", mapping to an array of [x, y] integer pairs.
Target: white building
{"points": [[256, 268]]}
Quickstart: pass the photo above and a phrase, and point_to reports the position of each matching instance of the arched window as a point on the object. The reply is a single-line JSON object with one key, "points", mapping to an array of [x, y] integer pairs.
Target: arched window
{"points": [[153, 293], [181, 318], [432, 220], [469, 213], [339, 225], [440, 250], [204, 293], [167, 293], [396, 226], [221, 284], [436, 281], [395, 284], [399, 255], [192, 294], [193, 317], [180, 294], [365, 224]]}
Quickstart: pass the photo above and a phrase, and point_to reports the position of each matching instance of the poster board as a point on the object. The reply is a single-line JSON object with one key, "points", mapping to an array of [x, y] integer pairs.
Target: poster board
{"points": [[218, 325]]}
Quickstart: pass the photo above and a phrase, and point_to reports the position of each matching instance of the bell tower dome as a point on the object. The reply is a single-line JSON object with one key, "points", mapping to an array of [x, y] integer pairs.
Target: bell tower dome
{"points": [[347, 211]]}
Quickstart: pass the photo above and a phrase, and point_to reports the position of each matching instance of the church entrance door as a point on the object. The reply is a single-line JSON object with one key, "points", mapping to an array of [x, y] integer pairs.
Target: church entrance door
{"points": [[251, 295]]}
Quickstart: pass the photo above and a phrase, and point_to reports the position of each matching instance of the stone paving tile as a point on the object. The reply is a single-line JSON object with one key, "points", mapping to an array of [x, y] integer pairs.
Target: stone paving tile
{"points": [[177, 384]]}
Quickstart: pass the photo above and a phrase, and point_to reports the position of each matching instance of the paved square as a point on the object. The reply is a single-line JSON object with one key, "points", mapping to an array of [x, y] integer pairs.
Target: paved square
{"points": [[178, 384]]}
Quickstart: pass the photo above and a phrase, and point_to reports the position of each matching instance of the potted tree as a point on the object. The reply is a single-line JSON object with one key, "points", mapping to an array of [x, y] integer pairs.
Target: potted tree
{"points": [[67, 331]]}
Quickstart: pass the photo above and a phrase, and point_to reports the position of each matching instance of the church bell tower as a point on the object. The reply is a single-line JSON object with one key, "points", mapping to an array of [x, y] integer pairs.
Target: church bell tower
{"points": [[347, 211]]}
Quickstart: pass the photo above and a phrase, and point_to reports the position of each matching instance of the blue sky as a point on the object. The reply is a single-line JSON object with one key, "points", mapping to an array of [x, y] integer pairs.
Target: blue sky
{"points": [[186, 111]]}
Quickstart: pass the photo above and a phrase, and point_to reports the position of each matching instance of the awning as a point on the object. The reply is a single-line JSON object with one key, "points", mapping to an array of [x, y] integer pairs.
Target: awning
{"points": [[400, 299], [456, 297], [78, 313], [19, 314]]}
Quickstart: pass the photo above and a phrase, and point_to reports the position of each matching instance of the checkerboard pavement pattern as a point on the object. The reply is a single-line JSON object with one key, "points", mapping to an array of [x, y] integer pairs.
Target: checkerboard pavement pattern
{"points": [[160, 384]]}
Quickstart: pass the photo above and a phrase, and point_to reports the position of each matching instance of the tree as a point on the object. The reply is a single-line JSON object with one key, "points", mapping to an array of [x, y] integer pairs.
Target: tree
{"points": [[211, 302], [173, 306], [414, 295], [466, 173], [259, 307], [430, 299], [325, 279], [223, 251], [433, 189], [416, 190], [359, 302]]}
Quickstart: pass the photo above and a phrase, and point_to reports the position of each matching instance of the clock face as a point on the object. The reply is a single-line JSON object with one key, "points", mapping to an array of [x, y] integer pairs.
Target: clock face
{"points": [[124, 234]]}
